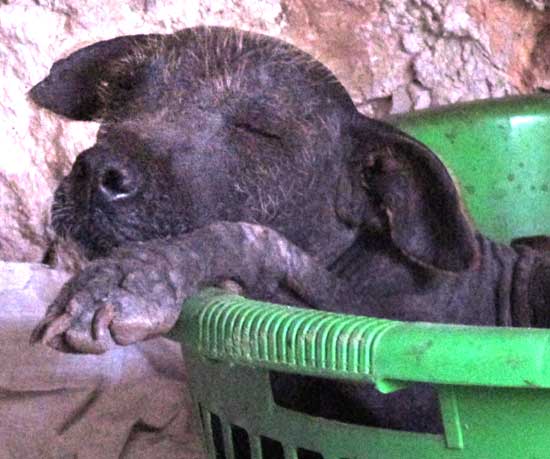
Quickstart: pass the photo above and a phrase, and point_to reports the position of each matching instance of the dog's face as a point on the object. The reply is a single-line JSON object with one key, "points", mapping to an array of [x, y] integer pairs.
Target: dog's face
{"points": [[213, 124], [201, 126]]}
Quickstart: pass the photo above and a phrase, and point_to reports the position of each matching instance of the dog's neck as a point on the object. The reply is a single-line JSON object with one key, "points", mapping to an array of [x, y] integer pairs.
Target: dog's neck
{"points": [[387, 284]]}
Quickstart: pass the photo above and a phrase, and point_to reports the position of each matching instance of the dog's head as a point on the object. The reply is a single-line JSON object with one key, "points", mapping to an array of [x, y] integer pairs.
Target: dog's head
{"points": [[212, 124]]}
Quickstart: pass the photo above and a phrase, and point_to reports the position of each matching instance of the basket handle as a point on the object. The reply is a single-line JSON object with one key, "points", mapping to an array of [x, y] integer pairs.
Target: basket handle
{"points": [[388, 353]]}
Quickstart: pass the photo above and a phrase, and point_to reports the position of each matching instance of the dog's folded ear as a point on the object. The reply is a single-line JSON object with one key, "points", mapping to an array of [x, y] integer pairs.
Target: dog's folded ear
{"points": [[408, 193], [74, 85]]}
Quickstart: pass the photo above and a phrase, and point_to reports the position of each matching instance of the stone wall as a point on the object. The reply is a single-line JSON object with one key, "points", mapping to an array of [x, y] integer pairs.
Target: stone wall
{"points": [[393, 56]]}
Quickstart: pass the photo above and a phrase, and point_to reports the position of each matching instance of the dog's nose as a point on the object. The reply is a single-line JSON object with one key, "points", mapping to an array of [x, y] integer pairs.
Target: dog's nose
{"points": [[116, 183]]}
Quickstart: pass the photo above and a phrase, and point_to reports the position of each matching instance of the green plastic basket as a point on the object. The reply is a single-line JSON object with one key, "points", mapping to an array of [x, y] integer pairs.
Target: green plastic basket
{"points": [[493, 383]]}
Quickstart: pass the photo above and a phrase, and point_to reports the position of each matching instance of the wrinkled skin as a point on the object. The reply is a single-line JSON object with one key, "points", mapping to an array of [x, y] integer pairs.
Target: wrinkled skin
{"points": [[224, 155]]}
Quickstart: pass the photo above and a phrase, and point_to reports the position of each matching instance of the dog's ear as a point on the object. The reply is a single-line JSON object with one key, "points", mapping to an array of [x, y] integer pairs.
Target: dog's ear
{"points": [[75, 84], [405, 191]]}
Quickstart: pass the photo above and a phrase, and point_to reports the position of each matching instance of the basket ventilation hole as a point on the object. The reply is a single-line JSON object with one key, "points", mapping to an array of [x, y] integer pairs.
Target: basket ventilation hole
{"points": [[272, 449], [241, 443], [218, 436], [308, 454]]}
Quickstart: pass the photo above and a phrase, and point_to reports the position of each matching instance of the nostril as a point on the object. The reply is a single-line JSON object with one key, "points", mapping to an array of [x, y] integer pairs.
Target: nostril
{"points": [[116, 184]]}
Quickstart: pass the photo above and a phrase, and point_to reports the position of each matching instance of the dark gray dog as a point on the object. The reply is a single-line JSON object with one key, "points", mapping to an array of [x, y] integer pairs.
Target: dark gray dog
{"points": [[225, 155]]}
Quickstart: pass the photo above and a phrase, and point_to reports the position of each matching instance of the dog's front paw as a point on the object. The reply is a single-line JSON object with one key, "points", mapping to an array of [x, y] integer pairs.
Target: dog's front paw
{"points": [[111, 302]]}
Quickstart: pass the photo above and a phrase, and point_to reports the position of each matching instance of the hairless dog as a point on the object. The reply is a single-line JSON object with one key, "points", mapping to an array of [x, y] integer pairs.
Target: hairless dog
{"points": [[227, 155]]}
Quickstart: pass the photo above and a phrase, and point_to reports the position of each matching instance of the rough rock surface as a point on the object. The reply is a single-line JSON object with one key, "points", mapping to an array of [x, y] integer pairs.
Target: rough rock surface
{"points": [[129, 403], [393, 56]]}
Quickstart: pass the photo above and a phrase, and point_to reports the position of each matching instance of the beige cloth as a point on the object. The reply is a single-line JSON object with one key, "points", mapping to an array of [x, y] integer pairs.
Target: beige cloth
{"points": [[131, 402]]}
